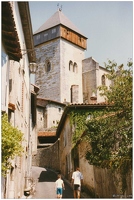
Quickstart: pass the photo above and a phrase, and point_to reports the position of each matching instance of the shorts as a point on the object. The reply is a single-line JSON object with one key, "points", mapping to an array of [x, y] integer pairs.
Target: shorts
{"points": [[59, 191], [77, 187]]}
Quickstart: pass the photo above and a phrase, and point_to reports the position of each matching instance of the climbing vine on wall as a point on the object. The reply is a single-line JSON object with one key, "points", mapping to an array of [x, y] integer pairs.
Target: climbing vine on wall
{"points": [[109, 132], [78, 120]]}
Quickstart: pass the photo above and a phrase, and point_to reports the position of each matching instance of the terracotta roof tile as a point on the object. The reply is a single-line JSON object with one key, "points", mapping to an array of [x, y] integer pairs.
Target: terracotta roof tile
{"points": [[88, 104], [46, 133]]}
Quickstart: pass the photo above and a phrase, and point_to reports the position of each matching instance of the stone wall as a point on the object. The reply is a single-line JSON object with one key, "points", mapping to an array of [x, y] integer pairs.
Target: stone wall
{"points": [[47, 157], [89, 78], [56, 83], [49, 81], [92, 78], [108, 184]]}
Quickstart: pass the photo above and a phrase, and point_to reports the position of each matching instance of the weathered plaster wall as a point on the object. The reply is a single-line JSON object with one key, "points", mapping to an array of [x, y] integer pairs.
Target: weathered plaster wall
{"points": [[86, 169], [66, 162], [49, 116], [108, 184], [98, 181]]}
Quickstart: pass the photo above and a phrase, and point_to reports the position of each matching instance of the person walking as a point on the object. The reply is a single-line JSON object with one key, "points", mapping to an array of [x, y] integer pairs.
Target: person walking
{"points": [[59, 184], [77, 179]]}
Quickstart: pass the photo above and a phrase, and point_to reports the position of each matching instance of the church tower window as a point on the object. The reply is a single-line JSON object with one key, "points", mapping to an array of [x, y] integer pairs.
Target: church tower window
{"points": [[103, 81], [75, 67], [45, 36], [53, 30], [48, 66], [62, 48], [38, 37], [70, 65]]}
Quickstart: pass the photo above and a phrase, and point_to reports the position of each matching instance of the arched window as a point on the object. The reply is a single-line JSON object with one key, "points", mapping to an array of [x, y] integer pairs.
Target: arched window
{"points": [[103, 81], [75, 68], [47, 66], [70, 65]]}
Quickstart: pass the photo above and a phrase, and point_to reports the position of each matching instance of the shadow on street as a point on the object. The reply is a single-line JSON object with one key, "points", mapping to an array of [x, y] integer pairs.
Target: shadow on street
{"points": [[50, 176], [45, 187], [47, 176]]}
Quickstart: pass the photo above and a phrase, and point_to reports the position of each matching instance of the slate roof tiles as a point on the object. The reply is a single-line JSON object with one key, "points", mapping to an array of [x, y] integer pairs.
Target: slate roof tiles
{"points": [[56, 19]]}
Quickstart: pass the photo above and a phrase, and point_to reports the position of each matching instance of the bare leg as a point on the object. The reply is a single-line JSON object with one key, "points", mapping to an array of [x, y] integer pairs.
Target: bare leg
{"points": [[75, 194], [78, 194]]}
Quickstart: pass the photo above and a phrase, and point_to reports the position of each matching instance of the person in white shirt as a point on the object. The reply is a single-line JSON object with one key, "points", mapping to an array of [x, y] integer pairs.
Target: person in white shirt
{"points": [[59, 185], [77, 179]]}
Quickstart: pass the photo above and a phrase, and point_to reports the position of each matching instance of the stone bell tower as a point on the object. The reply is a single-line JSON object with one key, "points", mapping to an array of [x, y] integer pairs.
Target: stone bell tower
{"points": [[60, 50]]}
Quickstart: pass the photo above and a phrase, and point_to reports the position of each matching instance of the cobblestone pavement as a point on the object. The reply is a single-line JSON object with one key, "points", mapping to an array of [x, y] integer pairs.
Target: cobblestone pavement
{"points": [[45, 184]]}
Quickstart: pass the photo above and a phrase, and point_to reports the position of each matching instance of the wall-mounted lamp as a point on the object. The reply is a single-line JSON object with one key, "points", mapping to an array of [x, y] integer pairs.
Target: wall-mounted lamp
{"points": [[93, 97], [33, 67]]}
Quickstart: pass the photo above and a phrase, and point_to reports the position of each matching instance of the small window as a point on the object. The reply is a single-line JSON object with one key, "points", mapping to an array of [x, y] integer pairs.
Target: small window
{"points": [[75, 67], [70, 65], [103, 81], [48, 66], [53, 30], [59, 109], [45, 36], [10, 85], [38, 37]]}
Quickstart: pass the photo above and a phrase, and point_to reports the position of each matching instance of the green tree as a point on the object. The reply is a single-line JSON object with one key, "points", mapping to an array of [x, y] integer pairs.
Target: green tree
{"points": [[110, 132], [11, 143]]}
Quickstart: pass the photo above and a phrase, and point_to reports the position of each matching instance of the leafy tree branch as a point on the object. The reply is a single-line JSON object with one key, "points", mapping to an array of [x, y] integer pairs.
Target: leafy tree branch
{"points": [[110, 134], [11, 143]]}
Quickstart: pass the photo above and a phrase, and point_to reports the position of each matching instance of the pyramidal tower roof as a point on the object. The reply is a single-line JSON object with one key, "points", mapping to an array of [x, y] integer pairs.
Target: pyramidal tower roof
{"points": [[57, 19]]}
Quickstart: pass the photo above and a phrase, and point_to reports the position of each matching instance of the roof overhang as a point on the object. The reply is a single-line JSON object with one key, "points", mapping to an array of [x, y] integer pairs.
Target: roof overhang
{"points": [[10, 37], [43, 102], [27, 29], [46, 133], [9, 33]]}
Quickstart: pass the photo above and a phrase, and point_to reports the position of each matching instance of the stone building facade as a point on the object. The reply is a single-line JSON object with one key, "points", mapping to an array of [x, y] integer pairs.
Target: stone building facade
{"points": [[48, 113], [48, 157], [48, 116], [93, 75], [59, 50], [63, 75]]}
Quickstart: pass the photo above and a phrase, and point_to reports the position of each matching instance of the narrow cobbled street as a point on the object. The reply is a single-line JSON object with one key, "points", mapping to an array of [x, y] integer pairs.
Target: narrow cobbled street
{"points": [[45, 184]]}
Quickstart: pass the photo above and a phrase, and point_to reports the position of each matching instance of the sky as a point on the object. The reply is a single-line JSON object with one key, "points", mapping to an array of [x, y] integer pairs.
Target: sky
{"points": [[108, 25]]}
